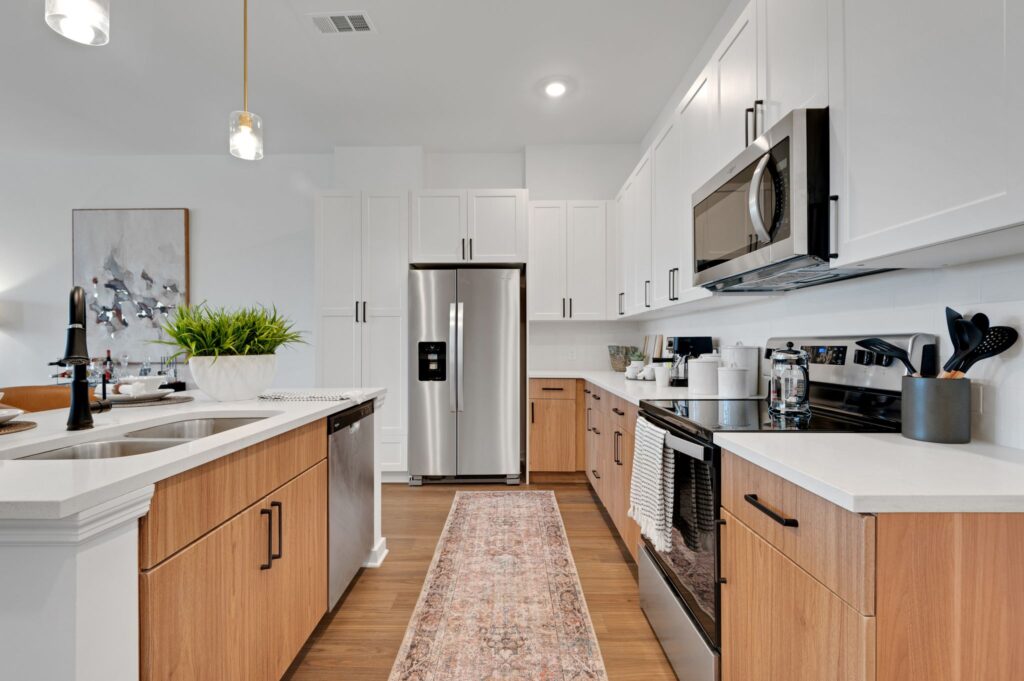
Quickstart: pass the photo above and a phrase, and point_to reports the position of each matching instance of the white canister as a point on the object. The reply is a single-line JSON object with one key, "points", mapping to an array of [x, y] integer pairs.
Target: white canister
{"points": [[745, 357], [732, 382], [703, 374], [662, 374]]}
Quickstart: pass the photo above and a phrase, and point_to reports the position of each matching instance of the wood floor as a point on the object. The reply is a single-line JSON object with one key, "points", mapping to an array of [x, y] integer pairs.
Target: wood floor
{"points": [[359, 640]]}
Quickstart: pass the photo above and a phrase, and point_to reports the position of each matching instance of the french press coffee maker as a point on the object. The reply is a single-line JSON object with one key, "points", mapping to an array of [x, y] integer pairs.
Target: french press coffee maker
{"points": [[790, 383]]}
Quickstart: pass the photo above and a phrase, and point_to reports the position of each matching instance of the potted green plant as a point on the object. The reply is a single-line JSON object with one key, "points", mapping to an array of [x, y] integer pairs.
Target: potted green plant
{"points": [[637, 359], [230, 352]]}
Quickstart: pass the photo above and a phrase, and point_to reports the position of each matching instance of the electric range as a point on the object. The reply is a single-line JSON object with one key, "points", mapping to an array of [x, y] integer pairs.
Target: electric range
{"points": [[851, 390]]}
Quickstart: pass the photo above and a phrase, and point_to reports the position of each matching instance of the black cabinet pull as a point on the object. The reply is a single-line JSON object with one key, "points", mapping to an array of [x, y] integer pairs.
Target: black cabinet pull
{"points": [[757, 103], [586, 391], [570, 308], [556, 390], [463, 249], [594, 471], [616, 452], [589, 428], [596, 431], [618, 412], [270, 538], [647, 293], [597, 397], [781, 520], [280, 530], [563, 308], [719, 579], [746, 127], [622, 304], [533, 415], [357, 312], [364, 312], [470, 248]]}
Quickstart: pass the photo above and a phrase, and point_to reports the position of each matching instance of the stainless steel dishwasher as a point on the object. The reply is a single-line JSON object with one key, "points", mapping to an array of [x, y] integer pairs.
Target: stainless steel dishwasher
{"points": [[350, 499]]}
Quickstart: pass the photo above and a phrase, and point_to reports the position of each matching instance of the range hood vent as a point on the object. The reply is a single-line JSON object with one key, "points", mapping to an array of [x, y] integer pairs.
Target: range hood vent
{"points": [[342, 22]]}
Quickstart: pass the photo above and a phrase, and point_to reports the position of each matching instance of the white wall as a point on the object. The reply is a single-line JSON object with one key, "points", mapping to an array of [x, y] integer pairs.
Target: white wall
{"points": [[474, 171], [578, 345], [359, 168], [594, 171], [251, 228], [895, 302]]}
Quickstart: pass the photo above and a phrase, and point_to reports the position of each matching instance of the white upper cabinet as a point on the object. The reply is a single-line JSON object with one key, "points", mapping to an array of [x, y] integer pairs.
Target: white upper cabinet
{"points": [[476, 225], [438, 226], [668, 204], [735, 70], [585, 274], [615, 272], [638, 238], [339, 289], [926, 107], [546, 272], [497, 226], [793, 57], [695, 124]]}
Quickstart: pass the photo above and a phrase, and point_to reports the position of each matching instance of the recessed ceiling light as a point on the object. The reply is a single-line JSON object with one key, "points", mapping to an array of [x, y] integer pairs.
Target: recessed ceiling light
{"points": [[555, 89], [84, 21]]}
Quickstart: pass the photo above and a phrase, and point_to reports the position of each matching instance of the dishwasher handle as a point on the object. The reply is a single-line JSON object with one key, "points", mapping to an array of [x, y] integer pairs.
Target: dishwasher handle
{"points": [[342, 420]]}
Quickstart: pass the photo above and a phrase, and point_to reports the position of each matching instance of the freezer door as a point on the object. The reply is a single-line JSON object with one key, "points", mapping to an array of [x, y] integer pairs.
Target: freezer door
{"points": [[489, 388], [432, 380]]}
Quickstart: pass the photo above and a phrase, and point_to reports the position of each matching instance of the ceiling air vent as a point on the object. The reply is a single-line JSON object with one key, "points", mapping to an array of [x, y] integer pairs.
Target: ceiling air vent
{"points": [[342, 22]]}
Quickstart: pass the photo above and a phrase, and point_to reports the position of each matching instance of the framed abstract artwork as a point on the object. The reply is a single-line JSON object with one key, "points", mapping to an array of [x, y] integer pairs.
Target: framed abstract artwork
{"points": [[134, 267]]}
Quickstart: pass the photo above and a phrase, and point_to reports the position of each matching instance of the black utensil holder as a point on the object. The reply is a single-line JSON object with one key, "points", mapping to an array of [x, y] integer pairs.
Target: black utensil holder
{"points": [[937, 410]]}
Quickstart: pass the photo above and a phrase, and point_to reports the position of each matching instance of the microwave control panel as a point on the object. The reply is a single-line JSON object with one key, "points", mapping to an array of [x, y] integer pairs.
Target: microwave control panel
{"points": [[432, 356]]}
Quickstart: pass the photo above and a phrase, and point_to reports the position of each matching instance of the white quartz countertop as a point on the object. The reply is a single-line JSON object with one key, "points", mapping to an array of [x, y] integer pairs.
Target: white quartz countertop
{"points": [[888, 473], [618, 384], [34, 489]]}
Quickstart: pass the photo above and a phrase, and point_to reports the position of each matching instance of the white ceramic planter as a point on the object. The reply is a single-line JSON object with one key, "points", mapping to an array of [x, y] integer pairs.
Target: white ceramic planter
{"points": [[231, 378]]}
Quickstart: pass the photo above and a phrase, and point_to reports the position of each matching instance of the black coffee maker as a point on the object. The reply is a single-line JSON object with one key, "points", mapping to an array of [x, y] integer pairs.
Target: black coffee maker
{"points": [[683, 348]]}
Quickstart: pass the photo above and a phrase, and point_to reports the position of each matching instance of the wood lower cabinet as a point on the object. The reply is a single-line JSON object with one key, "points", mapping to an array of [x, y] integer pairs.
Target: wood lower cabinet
{"points": [[239, 602], [553, 435], [779, 623]]}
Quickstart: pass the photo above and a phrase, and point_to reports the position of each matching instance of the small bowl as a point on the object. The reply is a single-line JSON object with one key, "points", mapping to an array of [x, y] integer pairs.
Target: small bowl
{"points": [[148, 384], [9, 414]]}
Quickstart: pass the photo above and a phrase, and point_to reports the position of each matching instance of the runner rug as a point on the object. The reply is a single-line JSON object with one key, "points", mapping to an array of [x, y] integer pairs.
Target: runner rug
{"points": [[502, 599]]}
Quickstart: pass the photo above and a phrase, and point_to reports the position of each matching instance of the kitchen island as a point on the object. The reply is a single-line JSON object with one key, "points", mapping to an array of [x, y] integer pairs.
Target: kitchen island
{"points": [[74, 552]]}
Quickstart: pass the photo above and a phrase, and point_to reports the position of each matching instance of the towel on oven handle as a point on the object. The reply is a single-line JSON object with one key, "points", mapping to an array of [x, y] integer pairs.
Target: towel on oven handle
{"points": [[650, 488]]}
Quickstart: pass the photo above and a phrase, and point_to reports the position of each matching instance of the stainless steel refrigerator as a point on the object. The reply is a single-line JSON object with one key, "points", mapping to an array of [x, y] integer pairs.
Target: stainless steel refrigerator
{"points": [[465, 376]]}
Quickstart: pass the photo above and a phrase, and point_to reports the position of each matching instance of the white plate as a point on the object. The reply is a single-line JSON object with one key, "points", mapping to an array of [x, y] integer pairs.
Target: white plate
{"points": [[9, 414], [144, 397]]}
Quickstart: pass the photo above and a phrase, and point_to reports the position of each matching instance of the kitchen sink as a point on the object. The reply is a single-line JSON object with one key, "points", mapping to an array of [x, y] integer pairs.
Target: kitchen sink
{"points": [[192, 429], [107, 449]]}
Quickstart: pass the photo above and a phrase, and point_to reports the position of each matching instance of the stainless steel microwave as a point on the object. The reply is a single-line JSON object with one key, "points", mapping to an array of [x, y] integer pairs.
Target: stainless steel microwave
{"points": [[764, 222]]}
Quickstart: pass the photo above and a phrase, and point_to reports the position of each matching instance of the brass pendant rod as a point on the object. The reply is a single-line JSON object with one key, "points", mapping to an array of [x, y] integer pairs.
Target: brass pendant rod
{"points": [[245, 55]]}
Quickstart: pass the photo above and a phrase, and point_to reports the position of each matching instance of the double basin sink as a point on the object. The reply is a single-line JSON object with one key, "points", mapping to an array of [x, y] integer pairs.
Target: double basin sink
{"points": [[149, 439]]}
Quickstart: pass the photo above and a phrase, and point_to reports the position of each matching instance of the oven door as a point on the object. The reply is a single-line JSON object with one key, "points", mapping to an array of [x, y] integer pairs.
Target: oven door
{"points": [[753, 213]]}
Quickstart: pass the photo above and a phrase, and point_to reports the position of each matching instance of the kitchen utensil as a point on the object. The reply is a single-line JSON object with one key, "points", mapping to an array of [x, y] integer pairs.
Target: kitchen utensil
{"points": [[997, 340], [967, 338], [887, 349], [789, 382], [732, 382], [9, 414], [930, 360], [704, 374], [745, 357], [951, 317], [980, 320], [933, 410]]}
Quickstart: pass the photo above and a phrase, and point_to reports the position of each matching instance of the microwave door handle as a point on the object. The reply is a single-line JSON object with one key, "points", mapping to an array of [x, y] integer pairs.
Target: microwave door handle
{"points": [[754, 200]]}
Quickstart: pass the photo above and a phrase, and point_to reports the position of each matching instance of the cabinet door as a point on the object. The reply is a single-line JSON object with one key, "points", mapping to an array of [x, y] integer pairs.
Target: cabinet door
{"points": [[385, 288], [625, 426], [439, 226], [615, 289], [668, 207], [639, 237], [553, 435], [298, 596], [627, 225], [497, 226], [339, 289], [548, 257], [585, 271], [696, 123], [926, 148], [205, 614], [794, 57], [735, 71], [778, 622]]}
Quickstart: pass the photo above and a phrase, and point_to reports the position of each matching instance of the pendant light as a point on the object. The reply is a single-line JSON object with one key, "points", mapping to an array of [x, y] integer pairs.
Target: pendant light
{"points": [[84, 21], [245, 129]]}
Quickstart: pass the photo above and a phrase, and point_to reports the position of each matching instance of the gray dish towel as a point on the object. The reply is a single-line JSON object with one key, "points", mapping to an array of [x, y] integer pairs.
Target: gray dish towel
{"points": [[650, 489]]}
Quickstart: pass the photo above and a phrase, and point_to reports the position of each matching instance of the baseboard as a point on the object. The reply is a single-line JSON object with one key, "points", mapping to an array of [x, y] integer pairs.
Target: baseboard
{"points": [[546, 477], [394, 477], [378, 554]]}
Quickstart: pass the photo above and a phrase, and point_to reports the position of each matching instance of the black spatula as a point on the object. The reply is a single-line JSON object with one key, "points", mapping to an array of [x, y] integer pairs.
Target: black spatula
{"points": [[887, 349]]}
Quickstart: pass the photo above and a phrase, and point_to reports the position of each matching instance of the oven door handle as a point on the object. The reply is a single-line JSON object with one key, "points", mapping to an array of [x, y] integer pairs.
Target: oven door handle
{"points": [[690, 449], [754, 200]]}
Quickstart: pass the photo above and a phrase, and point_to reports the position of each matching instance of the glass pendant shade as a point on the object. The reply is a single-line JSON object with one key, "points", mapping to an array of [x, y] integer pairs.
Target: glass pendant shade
{"points": [[84, 21], [245, 135]]}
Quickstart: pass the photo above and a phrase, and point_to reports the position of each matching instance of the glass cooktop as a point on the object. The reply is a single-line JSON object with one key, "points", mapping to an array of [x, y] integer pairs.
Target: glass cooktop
{"points": [[706, 417]]}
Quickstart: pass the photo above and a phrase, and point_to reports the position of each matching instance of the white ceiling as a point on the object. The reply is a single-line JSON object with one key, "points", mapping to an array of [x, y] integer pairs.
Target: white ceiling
{"points": [[452, 75]]}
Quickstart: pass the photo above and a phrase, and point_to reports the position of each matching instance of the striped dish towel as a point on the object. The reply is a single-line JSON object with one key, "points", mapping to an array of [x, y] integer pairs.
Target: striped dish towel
{"points": [[650, 489], [311, 395]]}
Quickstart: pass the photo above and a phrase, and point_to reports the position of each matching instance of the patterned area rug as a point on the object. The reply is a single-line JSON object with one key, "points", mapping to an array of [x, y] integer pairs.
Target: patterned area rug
{"points": [[502, 599]]}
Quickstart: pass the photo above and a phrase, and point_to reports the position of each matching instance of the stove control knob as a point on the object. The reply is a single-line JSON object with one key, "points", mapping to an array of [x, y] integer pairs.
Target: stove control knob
{"points": [[883, 360], [864, 357]]}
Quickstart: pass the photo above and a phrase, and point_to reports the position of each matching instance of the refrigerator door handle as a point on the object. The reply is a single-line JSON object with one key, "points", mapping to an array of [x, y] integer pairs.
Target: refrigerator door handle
{"points": [[461, 357], [452, 326]]}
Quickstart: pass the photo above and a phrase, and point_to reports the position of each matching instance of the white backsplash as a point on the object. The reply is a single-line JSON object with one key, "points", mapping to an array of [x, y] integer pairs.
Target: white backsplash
{"points": [[578, 345], [889, 303]]}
